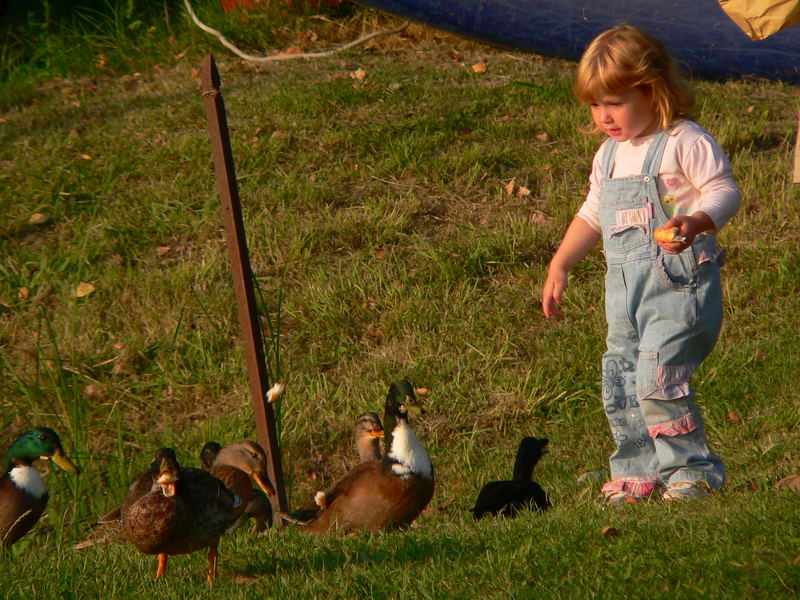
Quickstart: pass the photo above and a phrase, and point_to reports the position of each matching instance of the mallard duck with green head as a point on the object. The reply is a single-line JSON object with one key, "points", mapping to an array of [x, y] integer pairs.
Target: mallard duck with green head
{"points": [[170, 509], [23, 493], [380, 494]]}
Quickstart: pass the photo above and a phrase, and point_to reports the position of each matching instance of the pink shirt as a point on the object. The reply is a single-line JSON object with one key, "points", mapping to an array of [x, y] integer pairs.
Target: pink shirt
{"points": [[694, 175]]}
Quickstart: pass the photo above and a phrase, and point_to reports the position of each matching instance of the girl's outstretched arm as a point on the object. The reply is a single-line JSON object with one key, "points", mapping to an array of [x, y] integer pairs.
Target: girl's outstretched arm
{"points": [[579, 239]]}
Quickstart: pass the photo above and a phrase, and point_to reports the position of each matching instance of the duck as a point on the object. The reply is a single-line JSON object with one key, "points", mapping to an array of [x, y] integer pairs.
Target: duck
{"points": [[369, 432], [241, 466], [507, 498], [23, 493], [383, 493], [169, 509]]}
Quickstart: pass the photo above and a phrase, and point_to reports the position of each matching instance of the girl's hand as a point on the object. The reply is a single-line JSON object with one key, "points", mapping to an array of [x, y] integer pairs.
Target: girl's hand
{"points": [[553, 291], [690, 227]]}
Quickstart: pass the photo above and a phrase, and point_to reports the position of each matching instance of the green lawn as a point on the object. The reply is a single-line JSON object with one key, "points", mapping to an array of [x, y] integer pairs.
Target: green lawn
{"points": [[386, 245]]}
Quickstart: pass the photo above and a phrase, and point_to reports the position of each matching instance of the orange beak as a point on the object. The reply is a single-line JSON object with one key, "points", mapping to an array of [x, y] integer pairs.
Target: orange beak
{"points": [[264, 484]]}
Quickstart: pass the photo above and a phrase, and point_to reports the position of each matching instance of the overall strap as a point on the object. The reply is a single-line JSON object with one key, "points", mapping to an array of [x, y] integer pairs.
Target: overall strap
{"points": [[608, 157]]}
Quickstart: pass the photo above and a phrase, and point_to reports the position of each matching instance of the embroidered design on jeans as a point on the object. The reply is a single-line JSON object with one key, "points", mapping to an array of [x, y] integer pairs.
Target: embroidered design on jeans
{"points": [[611, 379]]}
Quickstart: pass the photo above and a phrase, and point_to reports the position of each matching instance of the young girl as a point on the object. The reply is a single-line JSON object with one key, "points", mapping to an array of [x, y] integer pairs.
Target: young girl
{"points": [[663, 299]]}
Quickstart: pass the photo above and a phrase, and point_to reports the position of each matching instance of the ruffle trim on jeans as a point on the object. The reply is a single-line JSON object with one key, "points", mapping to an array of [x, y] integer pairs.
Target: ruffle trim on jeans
{"points": [[633, 487], [680, 426]]}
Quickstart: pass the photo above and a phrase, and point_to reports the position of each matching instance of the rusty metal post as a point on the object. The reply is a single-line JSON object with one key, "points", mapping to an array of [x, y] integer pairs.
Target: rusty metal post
{"points": [[242, 275]]}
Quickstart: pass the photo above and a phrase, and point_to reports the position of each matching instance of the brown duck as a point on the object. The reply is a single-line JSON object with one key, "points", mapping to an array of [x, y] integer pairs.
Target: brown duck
{"points": [[171, 509], [23, 494], [380, 494], [241, 466], [369, 432]]}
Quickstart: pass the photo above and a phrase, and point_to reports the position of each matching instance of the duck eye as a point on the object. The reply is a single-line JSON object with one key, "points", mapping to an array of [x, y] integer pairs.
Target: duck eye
{"points": [[41, 437]]}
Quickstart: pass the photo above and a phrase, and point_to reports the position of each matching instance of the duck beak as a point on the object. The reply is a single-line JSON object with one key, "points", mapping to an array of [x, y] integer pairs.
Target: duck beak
{"points": [[62, 461], [376, 433], [414, 410], [167, 480], [262, 480]]}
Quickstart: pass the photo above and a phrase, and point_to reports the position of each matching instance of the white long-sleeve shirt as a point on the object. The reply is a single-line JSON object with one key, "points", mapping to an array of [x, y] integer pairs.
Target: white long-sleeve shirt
{"points": [[694, 175]]}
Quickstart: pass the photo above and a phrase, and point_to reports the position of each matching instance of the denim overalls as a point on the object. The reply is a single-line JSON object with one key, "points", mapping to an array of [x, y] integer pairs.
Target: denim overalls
{"points": [[664, 316]]}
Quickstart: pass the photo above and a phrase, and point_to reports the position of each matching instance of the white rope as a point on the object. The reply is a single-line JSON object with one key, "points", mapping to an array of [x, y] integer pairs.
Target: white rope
{"points": [[276, 57]]}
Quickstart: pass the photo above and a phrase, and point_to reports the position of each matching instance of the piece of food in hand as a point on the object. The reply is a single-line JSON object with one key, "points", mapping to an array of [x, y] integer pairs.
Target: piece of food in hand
{"points": [[672, 234]]}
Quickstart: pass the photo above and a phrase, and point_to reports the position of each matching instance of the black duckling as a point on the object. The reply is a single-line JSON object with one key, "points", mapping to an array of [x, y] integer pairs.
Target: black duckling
{"points": [[509, 497], [23, 493], [379, 494]]}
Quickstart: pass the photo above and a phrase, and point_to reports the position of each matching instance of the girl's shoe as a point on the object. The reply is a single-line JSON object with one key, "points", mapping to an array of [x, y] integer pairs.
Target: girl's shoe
{"points": [[618, 492], [686, 490]]}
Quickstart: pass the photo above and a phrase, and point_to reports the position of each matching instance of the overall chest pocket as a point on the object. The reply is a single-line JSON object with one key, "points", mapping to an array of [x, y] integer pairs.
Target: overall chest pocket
{"points": [[626, 224]]}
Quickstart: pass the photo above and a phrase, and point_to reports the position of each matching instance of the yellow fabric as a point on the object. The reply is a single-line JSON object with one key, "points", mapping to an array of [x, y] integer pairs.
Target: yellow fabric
{"points": [[761, 18]]}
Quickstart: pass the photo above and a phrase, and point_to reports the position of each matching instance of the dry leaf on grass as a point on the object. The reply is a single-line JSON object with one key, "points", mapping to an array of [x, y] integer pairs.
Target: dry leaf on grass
{"points": [[479, 67], [38, 219], [358, 74], [609, 531], [83, 289], [523, 191], [509, 187], [792, 482]]}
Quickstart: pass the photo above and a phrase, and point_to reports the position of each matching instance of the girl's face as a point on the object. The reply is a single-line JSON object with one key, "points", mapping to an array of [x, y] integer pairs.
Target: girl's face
{"points": [[625, 116]]}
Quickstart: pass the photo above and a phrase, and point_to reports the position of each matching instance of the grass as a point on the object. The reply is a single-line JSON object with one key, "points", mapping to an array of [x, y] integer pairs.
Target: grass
{"points": [[385, 246]]}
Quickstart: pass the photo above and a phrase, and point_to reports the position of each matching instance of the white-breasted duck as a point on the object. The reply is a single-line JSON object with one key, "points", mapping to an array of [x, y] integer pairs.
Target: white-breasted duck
{"points": [[23, 493], [384, 493]]}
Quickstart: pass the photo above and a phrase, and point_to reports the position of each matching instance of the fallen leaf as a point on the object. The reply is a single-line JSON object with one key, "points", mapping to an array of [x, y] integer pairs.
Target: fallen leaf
{"points": [[2, 120], [85, 157], [162, 250], [542, 137], [732, 416], [424, 392], [358, 74], [292, 50], [750, 108], [24, 293], [83, 289], [792, 482], [523, 191], [380, 253], [38, 219], [93, 391], [509, 187], [479, 67], [609, 531]]}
